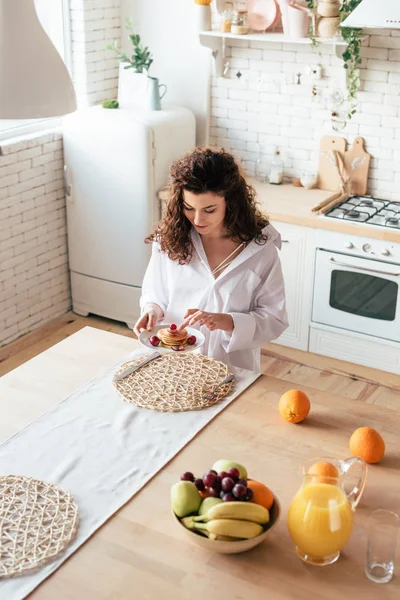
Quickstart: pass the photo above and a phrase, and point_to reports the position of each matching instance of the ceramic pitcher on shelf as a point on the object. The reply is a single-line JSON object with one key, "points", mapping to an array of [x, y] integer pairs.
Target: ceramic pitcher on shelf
{"points": [[320, 517], [154, 97]]}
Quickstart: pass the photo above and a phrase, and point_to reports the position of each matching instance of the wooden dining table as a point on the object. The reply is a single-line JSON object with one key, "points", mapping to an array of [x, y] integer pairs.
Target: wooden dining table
{"points": [[142, 553]]}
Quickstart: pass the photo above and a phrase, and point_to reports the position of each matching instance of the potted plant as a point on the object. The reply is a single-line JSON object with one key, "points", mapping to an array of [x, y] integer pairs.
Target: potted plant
{"points": [[141, 59], [134, 90]]}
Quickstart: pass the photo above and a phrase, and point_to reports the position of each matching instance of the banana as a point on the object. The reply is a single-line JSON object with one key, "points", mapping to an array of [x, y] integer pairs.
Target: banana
{"points": [[245, 511], [231, 528]]}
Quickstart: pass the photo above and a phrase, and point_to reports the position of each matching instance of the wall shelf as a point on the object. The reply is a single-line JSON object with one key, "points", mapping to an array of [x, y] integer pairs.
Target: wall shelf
{"points": [[216, 41]]}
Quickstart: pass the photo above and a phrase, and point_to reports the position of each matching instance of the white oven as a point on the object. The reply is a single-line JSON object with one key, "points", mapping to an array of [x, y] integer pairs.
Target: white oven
{"points": [[357, 286]]}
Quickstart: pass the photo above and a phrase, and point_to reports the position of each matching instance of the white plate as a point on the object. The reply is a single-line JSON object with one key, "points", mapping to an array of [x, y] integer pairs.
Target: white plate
{"points": [[146, 335]]}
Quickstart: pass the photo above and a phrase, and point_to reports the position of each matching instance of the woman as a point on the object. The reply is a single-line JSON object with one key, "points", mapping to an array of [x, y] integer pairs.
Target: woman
{"points": [[215, 262]]}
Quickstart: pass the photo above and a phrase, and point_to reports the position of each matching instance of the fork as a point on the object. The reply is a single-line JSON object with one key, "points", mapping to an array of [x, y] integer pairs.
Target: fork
{"points": [[211, 395]]}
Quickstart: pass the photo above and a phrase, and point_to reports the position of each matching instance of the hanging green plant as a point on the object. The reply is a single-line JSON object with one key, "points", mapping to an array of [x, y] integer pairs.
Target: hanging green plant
{"points": [[311, 32], [351, 55]]}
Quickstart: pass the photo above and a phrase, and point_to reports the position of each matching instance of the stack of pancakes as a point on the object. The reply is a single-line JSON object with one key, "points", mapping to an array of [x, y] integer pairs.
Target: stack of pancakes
{"points": [[173, 338]]}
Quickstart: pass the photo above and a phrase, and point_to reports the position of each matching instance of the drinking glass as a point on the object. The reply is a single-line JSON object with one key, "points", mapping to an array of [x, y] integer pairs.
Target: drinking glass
{"points": [[383, 530]]}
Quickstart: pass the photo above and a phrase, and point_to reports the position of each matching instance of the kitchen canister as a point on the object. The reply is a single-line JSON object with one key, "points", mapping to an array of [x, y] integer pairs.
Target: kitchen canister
{"points": [[328, 9], [239, 22], [203, 15], [328, 27]]}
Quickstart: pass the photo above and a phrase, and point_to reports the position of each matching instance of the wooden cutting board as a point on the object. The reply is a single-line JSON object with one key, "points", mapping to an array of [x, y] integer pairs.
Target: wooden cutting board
{"points": [[328, 178], [359, 176]]}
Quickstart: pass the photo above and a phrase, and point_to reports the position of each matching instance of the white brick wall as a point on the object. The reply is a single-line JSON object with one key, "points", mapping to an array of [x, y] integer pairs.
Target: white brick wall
{"points": [[94, 24], [34, 279], [265, 108]]}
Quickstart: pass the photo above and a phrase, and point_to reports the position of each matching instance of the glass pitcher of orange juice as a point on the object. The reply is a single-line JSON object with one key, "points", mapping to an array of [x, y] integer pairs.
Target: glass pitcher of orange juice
{"points": [[320, 517]]}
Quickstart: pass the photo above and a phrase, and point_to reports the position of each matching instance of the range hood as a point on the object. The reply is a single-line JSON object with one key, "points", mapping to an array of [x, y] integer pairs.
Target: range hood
{"points": [[374, 14]]}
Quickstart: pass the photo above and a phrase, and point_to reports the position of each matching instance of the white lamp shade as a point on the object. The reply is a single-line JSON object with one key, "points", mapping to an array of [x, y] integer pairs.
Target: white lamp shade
{"points": [[34, 81]]}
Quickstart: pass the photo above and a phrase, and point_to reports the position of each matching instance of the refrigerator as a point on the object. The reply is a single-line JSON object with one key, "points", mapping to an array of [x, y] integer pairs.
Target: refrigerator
{"points": [[115, 162]]}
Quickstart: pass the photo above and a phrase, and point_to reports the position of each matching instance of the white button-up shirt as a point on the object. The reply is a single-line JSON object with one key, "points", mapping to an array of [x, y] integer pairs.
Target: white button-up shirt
{"points": [[250, 289]]}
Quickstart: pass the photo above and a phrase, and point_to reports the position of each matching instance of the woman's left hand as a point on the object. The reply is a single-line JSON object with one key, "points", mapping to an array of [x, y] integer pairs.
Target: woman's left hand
{"points": [[211, 320]]}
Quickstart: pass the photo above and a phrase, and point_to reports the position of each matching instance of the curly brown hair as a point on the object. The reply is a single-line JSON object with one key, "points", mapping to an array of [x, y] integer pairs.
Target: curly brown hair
{"points": [[200, 171]]}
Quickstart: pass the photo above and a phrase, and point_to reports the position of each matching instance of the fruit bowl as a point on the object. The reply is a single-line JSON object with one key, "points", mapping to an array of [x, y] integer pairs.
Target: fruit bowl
{"points": [[237, 546]]}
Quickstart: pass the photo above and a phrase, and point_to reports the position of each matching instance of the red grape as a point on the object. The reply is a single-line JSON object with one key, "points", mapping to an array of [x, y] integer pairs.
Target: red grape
{"points": [[154, 340], [213, 471], [249, 494], [227, 484], [239, 491], [228, 497], [214, 492], [242, 481], [187, 476], [209, 479], [199, 483], [223, 474], [234, 473]]}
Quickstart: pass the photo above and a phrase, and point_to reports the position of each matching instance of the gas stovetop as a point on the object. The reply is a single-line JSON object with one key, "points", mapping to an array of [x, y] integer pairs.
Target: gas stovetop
{"points": [[364, 209]]}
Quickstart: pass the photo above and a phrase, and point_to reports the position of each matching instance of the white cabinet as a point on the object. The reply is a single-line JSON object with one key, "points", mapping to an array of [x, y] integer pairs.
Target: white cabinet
{"points": [[297, 258]]}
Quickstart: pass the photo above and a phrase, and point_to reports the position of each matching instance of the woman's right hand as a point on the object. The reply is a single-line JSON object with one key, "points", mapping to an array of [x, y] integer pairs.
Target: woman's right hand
{"points": [[148, 319]]}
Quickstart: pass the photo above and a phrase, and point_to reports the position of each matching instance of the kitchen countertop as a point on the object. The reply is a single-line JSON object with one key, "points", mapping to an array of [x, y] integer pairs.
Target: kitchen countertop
{"points": [[141, 552], [289, 204]]}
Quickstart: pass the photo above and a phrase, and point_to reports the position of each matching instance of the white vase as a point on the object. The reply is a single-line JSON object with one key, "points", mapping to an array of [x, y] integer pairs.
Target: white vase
{"points": [[132, 88], [203, 17]]}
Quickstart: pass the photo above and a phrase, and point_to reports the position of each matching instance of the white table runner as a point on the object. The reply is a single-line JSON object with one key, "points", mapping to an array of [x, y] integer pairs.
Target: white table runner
{"points": [[103, 451]]}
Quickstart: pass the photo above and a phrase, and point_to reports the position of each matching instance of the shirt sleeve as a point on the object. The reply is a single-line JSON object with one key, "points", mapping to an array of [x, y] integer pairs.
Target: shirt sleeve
{"points": [[155, 286], [267, 319]]}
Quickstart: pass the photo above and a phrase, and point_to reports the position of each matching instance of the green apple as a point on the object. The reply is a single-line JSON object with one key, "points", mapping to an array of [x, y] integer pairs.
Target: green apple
{"points": [[224, 465], [207, 504], [185, 498]]}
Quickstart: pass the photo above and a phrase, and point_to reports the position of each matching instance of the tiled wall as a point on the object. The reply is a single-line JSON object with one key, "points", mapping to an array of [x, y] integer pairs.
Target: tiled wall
{"points": [[95, 23], [265, 107], [34, 278]]}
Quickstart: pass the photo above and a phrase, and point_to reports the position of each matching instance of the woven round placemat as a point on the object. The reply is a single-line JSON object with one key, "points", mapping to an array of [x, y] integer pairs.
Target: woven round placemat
{"points": [[174, 383], [37, 521]]}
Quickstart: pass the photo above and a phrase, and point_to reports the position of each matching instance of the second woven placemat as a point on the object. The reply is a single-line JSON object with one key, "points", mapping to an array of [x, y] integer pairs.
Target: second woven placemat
{"points": [[174, 383], [37, 522]]}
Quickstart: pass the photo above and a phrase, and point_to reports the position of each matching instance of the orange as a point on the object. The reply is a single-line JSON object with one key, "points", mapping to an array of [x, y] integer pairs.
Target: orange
{"points": [[324, 472], [203, 2], [261, 494], [367, 444], [294, 406], [204, 494]]}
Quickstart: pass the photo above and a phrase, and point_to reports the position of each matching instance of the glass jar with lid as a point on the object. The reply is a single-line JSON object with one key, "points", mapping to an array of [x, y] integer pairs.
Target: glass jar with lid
{"points": [[276, 169], [239, 22], [226, 18]]}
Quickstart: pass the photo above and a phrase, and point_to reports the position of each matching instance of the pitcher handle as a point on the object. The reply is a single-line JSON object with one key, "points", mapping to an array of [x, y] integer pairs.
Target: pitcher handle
{"points": [[355, 495], [165, 91]]}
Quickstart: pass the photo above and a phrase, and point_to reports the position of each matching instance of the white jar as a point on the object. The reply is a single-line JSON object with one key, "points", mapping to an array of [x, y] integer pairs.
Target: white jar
{"points": [[276, 169], [308, 180], [203, 17]]}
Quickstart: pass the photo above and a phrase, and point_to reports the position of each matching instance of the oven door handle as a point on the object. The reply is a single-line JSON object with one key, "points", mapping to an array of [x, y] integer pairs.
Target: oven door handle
{"points": [[342, 264]]}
